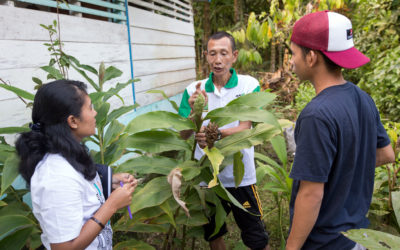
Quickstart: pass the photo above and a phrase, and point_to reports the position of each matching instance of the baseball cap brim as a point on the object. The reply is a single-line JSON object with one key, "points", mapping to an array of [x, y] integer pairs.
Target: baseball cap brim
{"points": [[350, 59]]}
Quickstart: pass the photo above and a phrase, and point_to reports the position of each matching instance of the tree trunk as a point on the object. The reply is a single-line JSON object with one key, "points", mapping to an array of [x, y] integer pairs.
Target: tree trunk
{"points": [[273, 55], [280, 55], [236, 10]]}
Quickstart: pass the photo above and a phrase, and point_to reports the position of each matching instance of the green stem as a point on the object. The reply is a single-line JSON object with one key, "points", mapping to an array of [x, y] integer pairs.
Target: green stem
{"points": [[390, 187], [15, 194], [183, 244], [193, 150], [193, 241], [101, 145], [166, 240]]}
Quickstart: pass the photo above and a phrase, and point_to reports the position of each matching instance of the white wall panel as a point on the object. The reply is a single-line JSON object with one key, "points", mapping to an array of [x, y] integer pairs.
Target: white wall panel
{"points": [[162, 48]]}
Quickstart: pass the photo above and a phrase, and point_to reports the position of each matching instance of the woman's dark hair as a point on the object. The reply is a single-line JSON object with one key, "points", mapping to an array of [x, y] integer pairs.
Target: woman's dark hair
{"points": [[53, 103]]}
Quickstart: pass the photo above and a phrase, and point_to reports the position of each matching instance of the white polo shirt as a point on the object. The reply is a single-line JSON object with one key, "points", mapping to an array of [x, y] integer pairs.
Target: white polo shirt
{"points": [[237, 86]]}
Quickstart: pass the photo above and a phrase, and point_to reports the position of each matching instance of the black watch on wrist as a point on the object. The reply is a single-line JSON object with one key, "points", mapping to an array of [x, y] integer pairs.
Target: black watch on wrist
{"points": [[219, 135]]}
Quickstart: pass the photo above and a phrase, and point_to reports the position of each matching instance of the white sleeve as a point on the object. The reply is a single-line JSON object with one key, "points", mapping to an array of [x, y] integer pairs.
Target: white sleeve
{"points": [[252, 84], [62, 208]]}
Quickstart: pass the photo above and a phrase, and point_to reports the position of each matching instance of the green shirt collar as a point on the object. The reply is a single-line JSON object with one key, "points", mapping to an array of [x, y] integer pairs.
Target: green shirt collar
{"points": [[233, 81]]}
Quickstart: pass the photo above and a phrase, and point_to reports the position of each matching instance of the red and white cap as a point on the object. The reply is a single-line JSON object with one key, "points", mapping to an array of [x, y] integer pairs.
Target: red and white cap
{"points": [[332, 34]]}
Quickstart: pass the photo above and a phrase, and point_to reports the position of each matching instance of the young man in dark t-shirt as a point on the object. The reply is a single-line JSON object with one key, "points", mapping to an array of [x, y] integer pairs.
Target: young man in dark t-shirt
{"points": [[339, 136]]}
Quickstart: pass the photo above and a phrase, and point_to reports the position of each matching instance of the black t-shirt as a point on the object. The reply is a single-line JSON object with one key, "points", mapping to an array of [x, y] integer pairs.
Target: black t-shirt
{"points": [[337, 135]]}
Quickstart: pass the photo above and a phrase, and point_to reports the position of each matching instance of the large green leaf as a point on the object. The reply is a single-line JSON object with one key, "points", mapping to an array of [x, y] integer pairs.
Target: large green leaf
{"points": [[10, 172], [111, 73], [76, 65], [114, 91], [256, 99], [373, 240], [238, 168], [35, 241], [16, 240], [6, 148], [143, 215], [102, 111], [396, 205], [157, 141], [145, 228], [83, 73], [155, 91], [96, 97], [55, 73], [115, 150], [82, 66], [113, 132], [195, 232], [228, 114], [266, 159], [197, 218], [14, 207], [116, 113], [13, 130], [169, 210], [133, 245], [220, 190], [11, 223], [216, 158], [153, 194], [261, 171], [158, 120], [279, 145], [220, 214], [189, 170], [148, 165], [19, 92], [246, 139], [2, 203]]}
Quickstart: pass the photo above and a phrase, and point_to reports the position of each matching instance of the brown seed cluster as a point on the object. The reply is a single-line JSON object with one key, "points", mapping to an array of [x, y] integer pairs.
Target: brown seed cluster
{"points": [[211, 132]]}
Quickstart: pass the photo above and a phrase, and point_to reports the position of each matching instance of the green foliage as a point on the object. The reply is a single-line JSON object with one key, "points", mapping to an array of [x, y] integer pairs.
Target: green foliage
{"points": [[377, 34], [385, 201], [305, 93], [18, 226], [373, 240], [153, 203], [133, 245], [271, 30], [279, 184]]}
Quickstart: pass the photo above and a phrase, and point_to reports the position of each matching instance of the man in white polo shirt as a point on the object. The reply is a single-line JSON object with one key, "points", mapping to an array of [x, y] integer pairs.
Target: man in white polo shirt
{"points": [[223, 86]]}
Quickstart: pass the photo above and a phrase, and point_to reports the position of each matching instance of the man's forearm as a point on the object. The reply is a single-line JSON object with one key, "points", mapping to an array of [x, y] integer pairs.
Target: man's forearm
{"points": [[230, 131], [306, 210], [185, 134], [384, 155]]}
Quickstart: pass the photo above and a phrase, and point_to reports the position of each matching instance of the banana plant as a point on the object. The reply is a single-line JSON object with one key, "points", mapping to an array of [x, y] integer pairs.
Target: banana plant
{"points": [[157, 203]]}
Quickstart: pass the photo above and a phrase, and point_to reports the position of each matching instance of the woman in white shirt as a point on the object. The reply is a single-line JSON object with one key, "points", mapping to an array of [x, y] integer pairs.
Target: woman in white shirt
{"points": [[67, 195]]}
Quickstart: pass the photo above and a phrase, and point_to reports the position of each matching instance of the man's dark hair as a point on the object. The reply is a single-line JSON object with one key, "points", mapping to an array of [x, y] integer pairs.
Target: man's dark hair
{"points": [[220, 35], [330, 65]]}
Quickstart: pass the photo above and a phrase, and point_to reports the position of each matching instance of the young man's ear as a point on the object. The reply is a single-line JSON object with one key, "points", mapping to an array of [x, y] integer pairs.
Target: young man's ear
{"points": [[205, 53], [312, 58], [72, 122]]}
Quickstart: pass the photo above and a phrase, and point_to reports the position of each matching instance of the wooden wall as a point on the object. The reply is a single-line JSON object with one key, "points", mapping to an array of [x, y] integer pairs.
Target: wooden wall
{"points": [[163, 53]]}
